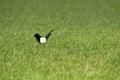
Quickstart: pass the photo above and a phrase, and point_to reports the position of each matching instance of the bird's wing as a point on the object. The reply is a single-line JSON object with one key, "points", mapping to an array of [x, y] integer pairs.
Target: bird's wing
{"points": [[48, 35]]}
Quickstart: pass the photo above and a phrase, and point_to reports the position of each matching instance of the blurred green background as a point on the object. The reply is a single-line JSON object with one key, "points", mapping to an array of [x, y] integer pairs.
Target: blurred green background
{"points": [[84, 46]]}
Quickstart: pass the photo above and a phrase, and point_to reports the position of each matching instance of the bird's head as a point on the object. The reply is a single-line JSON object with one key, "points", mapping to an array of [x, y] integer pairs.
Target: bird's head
{"points": [[37, 35]]}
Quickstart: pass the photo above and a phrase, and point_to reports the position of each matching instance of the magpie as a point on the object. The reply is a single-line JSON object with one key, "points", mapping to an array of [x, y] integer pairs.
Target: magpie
{"points": [[42, 39]]}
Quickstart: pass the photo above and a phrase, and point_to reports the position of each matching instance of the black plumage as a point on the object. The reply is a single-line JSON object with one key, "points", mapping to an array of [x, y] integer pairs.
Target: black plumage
{"points": [[37, 36]]}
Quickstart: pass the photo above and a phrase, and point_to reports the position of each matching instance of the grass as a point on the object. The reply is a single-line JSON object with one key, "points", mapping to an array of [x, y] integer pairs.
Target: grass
{"points": [[84, 46]]}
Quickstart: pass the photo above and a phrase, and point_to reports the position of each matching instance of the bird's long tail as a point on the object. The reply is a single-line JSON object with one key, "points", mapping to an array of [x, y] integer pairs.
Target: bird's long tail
{"points": [[48, 35]]}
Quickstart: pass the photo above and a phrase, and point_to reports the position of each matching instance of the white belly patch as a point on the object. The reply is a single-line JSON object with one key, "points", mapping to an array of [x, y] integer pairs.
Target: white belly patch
{"points": [[42, 40]]}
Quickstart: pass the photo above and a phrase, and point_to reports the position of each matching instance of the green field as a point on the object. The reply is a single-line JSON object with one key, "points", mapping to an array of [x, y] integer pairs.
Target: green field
{"points": [[84, 46]]}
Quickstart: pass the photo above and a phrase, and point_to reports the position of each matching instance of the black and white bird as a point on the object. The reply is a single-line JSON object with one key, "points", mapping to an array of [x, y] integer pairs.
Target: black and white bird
{"points": [[42, 39]]}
